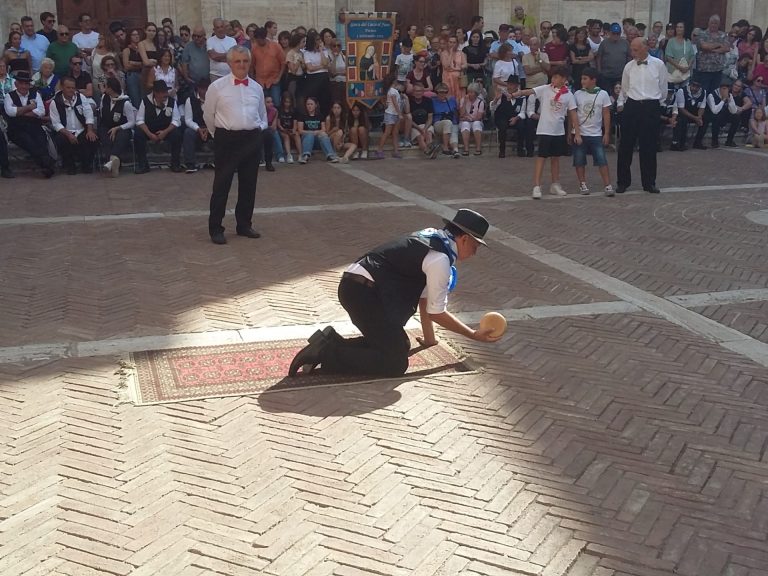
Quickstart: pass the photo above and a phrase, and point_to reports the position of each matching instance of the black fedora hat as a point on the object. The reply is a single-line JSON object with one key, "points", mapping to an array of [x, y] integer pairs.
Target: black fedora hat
{"points": [[159, 86], [22, 76], [470, 222]]}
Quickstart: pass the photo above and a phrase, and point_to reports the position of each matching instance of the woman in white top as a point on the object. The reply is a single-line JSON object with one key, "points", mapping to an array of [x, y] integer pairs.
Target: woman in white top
{"points": [[165, 71], [505, 67], [317, 82]]}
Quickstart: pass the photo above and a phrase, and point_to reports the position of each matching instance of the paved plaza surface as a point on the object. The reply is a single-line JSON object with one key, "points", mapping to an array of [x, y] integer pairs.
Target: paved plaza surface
{"points": [[620, 427]]}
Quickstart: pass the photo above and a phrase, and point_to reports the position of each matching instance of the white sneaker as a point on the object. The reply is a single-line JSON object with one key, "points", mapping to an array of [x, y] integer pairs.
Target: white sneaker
{"points": [[584, 189], [289, 158], [557, 190], [304, 159], [333, 159], [115, 166], [364, 155], [536, 192], [281, 160], [108, 166], [609, 191], [262, 164]]}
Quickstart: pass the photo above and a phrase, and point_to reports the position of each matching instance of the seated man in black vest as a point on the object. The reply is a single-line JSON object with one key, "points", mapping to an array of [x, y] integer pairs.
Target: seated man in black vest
{"points": [[117, 117], [721, 111], [72, 120], [24, 111], [509, 113], [383, 289], [196, 135], [695, 102], [158, 120]]}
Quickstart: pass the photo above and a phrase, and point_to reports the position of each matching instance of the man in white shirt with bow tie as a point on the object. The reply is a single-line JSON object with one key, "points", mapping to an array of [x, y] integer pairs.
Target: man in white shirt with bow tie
{"points": [[72, 120], [235, 114], [643, 91]]}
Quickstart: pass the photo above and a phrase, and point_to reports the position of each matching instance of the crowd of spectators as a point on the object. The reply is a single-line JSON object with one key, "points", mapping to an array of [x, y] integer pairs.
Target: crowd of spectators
{"points": [[67, 97]]}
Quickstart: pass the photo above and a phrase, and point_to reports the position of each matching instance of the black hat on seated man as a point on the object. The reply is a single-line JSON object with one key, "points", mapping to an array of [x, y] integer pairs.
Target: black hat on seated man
{"points": [[159, 86], [513, 79], [470, 222], [726, 82], [23, 76]]}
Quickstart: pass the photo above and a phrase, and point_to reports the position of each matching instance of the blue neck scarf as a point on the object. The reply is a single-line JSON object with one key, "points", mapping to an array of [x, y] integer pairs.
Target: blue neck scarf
{"points": [[449, 243]]}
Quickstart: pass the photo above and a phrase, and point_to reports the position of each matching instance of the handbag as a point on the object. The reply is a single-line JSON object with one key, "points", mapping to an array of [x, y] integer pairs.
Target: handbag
{"points": [[676, 76]]}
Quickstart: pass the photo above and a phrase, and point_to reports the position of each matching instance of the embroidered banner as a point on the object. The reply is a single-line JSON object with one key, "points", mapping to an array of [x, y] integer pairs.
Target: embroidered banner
{"points": [[369, 42]]}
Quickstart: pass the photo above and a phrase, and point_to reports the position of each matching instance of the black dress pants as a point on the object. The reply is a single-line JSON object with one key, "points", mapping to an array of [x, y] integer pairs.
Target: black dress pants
{"points": [[116, 147], [4, 164], [83, 151], [640, 124], [33, 141], [236, 151], [383, 348], [502, 125], [140, 146]]}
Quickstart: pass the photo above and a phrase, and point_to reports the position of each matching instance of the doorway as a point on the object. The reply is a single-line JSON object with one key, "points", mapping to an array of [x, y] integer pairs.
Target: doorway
{"points": [[454, 13], [696, 13], [133, 13]]}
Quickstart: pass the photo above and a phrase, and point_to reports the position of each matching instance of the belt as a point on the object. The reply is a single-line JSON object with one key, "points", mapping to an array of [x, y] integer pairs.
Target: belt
{"points": [[358, 279]]}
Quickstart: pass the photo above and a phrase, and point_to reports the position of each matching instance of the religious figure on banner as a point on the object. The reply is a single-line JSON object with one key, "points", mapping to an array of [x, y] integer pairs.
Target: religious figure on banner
{"points": [[369, 43]]}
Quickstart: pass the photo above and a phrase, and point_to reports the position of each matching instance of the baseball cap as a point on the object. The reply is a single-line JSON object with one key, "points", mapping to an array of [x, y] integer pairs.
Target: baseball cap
{"points": [[616, 28]]}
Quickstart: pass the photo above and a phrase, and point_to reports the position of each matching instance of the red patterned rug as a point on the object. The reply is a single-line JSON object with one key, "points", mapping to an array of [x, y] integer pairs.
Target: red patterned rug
{"points": [[161, 376]]}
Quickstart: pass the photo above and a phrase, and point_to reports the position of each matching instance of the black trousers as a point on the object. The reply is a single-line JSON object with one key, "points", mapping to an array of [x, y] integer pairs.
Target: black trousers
{"points": [[83, 151], [502, 125], [383, 348], [717, 121], [4, 164], [118, 147], [680, 134], [268, 143], [640, 123], [236, 151], [140, 140], [34, 142]]}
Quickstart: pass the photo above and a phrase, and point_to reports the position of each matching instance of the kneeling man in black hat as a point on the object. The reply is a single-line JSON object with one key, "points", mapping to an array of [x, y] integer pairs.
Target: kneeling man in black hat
{"points": [[383, 289]]}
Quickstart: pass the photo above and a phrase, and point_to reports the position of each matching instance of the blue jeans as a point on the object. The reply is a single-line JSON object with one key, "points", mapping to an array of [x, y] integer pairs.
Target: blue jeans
{"points": [[133, 88], [278, 151], [589, 145], [274, 91], [309, 142]]}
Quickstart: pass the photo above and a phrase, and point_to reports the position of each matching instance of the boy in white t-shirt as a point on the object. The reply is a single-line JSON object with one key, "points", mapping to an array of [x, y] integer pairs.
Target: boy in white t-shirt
{"points": [[404, 60], [557, 105], [593, 108]]}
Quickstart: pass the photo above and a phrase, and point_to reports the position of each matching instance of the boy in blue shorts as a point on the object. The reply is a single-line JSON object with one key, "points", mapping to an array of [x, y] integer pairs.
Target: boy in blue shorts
{"points": [[593, 107]]}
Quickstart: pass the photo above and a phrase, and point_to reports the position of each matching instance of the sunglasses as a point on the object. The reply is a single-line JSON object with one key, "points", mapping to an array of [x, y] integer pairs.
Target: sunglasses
{"points": [[63, 33], [76, 63]]}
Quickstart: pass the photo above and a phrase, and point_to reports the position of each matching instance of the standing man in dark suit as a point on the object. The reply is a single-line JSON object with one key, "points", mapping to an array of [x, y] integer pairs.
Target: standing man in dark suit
{"points": [[235, 113], [643, 91]]}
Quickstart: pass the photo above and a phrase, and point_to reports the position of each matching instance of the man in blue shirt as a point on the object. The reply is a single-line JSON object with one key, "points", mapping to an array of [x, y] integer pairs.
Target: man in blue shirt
{"points": [[37, 44]]}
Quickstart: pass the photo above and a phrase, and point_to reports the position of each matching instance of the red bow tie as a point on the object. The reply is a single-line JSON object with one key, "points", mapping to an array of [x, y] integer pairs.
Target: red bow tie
{"points": [[243, 82]]}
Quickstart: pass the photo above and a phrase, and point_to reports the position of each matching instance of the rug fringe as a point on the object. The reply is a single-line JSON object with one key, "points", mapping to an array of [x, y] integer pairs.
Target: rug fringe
{"points": [[126, 389]]}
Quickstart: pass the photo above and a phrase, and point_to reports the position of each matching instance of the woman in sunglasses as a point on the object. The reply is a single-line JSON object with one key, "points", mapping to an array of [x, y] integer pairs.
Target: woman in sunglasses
{"points": [[419, 75]]}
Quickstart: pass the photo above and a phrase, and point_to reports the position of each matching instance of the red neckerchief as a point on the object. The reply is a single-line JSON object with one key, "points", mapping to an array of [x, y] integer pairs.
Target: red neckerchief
{"points": [[559, 92]]}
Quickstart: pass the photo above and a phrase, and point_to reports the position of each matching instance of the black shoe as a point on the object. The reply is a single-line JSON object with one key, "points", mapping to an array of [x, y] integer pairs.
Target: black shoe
{"points": [[731, 144], [715, 145], [270, 168], [6, 172], [176, 168], [521, 153], [71, 171], [248, 233], [652, 189], [621, 189], [48, 172], [332, 336], [218, 238], [502, 154], [191, 168], [699, 146], [142, 169], [309, 355], [87, 170], [529, 154]]}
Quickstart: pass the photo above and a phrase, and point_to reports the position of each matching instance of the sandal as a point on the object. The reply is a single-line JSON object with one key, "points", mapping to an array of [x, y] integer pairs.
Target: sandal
{"points": [[478, 152], [465, 153]]}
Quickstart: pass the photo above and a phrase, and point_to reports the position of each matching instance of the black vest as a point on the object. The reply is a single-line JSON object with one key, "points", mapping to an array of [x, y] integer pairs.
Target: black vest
{"points": [[396, 270], [197, 110], [692, 102], [19, 122], [158, 119], [58, 101], [107, 115], [510, 107]]}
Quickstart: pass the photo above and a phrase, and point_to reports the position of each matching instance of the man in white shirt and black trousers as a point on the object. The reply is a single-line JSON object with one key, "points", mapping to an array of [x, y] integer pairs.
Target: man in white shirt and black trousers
{"points": [[72, 120], [235, 114], [643, 91]]}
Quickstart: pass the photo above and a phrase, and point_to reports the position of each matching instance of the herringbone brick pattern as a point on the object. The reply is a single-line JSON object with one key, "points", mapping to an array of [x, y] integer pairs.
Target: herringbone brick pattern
{"points": [[136, 278], [591, 446], [750, 318]]}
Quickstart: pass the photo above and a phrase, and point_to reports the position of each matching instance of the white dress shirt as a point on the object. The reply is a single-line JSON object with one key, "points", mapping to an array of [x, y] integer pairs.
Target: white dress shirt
{"points": [[71, 122], [175, 118], [644, 81], [716, 108], [234, 107], [10, 107], [188, 119], [128, 110]]}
